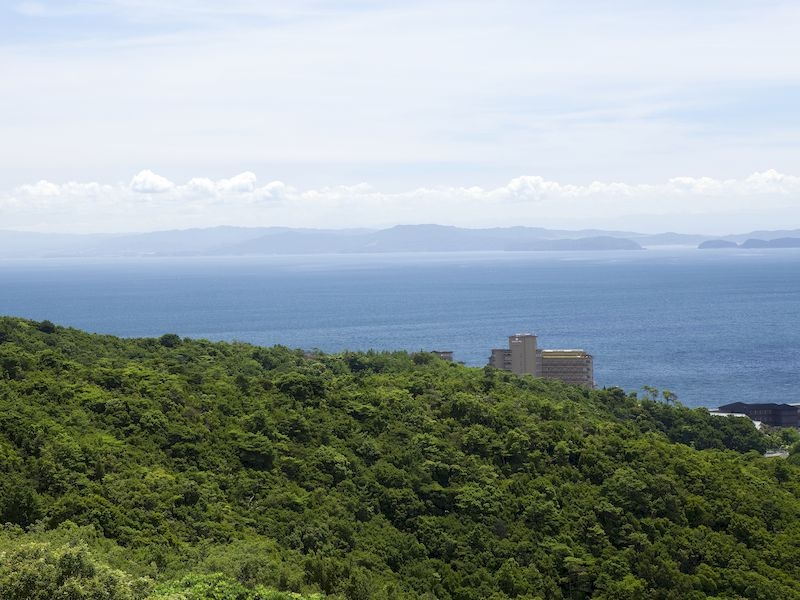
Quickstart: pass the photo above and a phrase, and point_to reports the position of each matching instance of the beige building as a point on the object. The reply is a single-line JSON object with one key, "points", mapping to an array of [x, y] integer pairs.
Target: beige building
{"points": [[523, 357], [519, 358]]}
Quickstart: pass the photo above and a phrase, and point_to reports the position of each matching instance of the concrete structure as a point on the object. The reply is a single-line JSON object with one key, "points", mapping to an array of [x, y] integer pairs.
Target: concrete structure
{"points": [[523, 357], [774, 415], [570, 366], [444, 354]]}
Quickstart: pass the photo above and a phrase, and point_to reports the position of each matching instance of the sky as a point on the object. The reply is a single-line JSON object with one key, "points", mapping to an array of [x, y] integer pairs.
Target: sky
{"points": [[137, 115]]}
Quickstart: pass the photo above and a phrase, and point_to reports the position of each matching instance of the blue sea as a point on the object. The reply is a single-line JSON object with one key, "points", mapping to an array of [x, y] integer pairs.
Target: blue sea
{"points": [[711, 326]]}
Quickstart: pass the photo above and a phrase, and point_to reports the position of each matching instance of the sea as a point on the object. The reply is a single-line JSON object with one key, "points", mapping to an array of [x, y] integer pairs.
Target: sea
{"points": [[712, 326]]}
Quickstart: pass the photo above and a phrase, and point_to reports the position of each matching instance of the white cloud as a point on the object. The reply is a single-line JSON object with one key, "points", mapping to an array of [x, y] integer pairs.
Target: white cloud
{"points": [[200, 186], [772, 181], [147, 182], [241, 183], [274, 190], [41, 188], [152, 201]]}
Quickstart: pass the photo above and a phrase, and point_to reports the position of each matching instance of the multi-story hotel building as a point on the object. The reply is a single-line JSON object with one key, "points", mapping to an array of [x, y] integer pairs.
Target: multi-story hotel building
{"points": [[524, 358]]}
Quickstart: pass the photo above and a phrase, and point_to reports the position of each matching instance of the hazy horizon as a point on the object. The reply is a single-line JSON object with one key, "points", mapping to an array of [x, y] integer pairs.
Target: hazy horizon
{"points": [[576, 230], [151, 202]]}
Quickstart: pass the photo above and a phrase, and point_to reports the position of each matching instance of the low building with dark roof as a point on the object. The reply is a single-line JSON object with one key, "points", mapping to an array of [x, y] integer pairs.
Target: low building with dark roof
{"points": [[772, 414]]}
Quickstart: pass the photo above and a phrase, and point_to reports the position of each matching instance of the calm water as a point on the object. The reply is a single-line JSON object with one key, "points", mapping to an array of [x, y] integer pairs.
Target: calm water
{"points": [[712, 326]]}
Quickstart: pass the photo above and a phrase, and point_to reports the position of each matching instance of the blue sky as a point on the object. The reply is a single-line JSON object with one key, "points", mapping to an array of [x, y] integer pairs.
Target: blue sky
{"points": [[401, 96]]}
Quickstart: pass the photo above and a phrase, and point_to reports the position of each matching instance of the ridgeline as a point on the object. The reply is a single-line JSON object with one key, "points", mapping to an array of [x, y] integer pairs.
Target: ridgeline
{"points": [[184, 469]]}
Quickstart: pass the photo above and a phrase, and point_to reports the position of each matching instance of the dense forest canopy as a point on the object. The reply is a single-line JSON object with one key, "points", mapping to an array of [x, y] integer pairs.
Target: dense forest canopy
{"points": [[176, 468]]}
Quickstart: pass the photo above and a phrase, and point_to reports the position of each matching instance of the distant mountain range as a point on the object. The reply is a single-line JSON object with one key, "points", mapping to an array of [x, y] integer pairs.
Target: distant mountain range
{"points": [[245, 241]]}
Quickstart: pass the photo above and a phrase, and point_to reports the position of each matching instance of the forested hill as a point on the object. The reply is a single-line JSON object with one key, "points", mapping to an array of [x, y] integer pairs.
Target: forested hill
{"points": [[173, 468]]}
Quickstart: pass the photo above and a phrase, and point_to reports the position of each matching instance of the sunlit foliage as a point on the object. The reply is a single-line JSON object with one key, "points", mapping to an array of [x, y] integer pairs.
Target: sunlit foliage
{"points": [[173, 468]]}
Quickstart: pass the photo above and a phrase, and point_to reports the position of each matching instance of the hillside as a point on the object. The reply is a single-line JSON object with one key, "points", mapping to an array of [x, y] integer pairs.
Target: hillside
{"points": [[265, 241], [175, 468]]}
